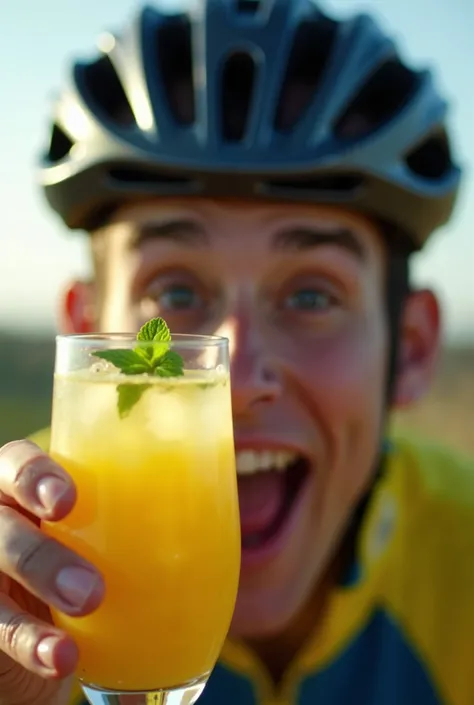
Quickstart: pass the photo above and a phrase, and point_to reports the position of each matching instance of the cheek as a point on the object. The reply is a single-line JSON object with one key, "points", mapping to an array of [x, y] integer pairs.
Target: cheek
{"points": [[345, 393], [347, 369]]}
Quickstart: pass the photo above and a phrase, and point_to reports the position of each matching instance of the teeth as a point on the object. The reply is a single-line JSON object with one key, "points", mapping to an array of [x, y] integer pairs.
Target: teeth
{"points": [[250, 462]]}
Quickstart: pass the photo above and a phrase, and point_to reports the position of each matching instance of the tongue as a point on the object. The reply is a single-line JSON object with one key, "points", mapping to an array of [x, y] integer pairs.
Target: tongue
{"points": [[261, 498]]}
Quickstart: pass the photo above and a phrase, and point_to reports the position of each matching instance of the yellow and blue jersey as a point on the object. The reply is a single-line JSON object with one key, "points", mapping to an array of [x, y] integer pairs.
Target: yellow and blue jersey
{"points": [[400, 631]]}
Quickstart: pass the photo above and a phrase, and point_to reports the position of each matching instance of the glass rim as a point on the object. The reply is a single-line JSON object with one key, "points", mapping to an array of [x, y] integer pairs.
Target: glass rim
{"points": [[182, 339]]}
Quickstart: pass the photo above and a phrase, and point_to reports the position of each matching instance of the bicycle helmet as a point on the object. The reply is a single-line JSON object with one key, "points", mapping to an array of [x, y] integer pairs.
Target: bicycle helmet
{"points": [[266, 99]]}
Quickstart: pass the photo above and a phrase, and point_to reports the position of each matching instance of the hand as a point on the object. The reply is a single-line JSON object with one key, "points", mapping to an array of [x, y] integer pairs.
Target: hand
{"points": [[36, 571]]}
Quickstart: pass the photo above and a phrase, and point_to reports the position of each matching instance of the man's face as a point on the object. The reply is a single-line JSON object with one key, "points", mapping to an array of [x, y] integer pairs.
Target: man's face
{"points": [[299, 292]]}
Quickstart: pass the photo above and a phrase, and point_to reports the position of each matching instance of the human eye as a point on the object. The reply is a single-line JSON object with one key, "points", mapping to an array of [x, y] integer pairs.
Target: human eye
{"points": [[181, 299], [178, 297], [309, 299]]}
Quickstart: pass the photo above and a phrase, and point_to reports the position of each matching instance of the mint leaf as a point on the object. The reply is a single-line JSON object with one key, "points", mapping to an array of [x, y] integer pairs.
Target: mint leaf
{"points": [[170, 365], [146, 353], [127, 361], [155, 331], [128, 396], [153, 359], [159, 352]]}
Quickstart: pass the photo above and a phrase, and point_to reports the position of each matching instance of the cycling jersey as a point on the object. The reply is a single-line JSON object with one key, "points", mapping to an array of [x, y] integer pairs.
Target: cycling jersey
{"points": [[400, 631]]}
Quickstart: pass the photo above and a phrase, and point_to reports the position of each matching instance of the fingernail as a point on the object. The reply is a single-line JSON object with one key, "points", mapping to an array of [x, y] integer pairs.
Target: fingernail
{"points": [[45, 651], [76, 585], [50, 490]]}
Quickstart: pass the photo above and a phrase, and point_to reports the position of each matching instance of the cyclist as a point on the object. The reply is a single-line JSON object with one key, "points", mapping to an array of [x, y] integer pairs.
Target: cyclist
{"points": [[261, 170]]}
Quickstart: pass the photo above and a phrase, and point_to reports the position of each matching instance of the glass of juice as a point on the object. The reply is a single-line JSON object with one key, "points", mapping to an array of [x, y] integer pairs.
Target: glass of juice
{"points": [[152, 457]]}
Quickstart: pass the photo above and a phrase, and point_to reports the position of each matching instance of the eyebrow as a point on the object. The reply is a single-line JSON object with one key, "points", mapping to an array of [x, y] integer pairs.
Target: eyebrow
{"points": [[306, 238], [188, 232], [180, 231]]}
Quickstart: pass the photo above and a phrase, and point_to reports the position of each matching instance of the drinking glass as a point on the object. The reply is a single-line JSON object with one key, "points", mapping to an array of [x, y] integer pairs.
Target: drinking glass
{"points": [[153, 462]]}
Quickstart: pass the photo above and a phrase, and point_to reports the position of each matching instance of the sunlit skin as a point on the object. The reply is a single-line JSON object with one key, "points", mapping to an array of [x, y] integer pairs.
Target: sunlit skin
{"points": [[299, 291]]}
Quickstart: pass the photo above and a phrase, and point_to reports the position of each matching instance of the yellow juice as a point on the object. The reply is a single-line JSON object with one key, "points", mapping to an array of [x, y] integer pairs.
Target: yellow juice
{"points": [[157, 513]]}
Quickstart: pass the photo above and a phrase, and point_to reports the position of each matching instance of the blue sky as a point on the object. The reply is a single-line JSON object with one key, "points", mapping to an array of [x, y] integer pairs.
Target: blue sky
{"points": [[38, 39]]}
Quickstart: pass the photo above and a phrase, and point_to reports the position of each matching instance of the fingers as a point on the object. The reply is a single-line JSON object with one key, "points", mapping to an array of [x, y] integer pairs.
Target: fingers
{"points": [[35, 481], [32, 483], [46, 568], [38, 647]]}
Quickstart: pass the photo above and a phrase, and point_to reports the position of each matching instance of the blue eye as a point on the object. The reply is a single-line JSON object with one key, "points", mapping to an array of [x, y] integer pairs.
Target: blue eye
{"points": [[178, 297], [309, 300]]}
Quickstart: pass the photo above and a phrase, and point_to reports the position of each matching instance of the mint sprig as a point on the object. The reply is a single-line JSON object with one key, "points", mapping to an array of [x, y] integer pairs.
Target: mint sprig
{"points": [[154, 359]]}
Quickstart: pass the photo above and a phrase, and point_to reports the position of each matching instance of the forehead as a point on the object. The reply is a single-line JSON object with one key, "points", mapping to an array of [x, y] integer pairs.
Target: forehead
{"points": [[229, 224]]}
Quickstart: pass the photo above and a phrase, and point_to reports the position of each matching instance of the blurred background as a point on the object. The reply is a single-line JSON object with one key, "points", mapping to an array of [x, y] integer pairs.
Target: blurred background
{"points": [[38, 256]]}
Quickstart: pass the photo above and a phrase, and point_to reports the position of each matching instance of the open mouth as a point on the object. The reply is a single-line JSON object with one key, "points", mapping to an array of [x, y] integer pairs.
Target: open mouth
{"points": [[270, 482]]}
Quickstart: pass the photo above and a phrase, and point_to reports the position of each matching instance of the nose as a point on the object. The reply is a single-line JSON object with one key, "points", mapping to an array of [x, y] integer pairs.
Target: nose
{"points": [[254, 373]]}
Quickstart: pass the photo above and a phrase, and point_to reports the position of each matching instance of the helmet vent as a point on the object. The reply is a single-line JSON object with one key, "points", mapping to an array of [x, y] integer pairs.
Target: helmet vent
{"points": [[60, 144], [383, 95], [238, 78], [134, 176], [327, 183], [432, 158], [311, 49], [249, 7], [174, 58], [101, 82]]}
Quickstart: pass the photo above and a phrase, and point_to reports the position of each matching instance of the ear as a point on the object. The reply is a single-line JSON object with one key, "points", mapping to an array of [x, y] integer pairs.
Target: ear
{"points": [[419, 347], [77, 308]]}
